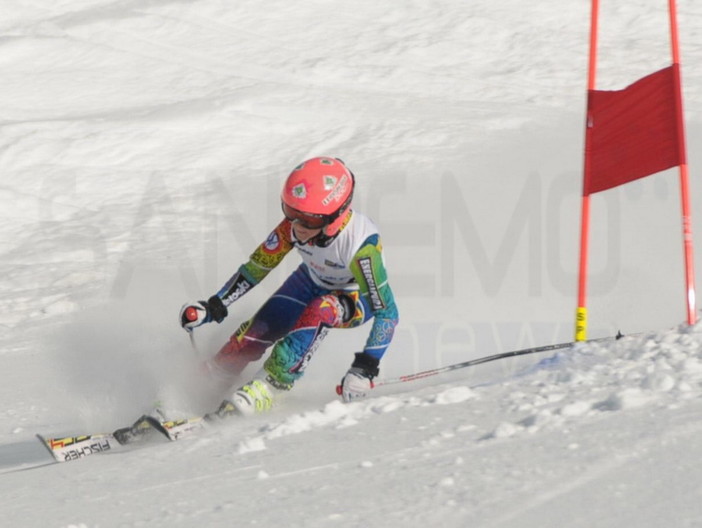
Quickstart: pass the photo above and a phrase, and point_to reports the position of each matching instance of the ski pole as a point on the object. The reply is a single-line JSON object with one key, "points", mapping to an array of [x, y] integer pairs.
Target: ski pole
{"points": [[193, 343], [495, 357]]}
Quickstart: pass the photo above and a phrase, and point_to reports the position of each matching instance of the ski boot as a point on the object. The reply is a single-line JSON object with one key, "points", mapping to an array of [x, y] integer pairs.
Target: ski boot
{"points": [[257, 396]]}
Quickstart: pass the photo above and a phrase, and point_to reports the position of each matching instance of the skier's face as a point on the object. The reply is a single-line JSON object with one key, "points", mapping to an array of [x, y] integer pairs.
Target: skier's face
{"points": [[304, 234]]}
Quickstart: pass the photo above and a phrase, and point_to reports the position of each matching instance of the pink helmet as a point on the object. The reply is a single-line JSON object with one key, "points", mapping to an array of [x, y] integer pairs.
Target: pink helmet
{"points": [[317, 194]]}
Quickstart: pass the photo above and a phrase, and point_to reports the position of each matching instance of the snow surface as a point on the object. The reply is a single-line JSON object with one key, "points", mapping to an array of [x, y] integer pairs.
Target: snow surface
{"points": [[142, 147]]}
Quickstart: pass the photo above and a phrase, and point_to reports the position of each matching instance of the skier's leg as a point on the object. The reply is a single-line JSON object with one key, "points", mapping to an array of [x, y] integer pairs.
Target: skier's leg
{"points": [[290, 356], [273, 320]]}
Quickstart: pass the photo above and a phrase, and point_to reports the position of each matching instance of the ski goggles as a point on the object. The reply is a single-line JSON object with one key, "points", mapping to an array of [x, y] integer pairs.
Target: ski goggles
{"points": [[306, 220]]}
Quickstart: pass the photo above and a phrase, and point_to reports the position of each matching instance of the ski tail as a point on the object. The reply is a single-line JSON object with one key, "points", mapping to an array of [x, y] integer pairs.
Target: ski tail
{"points": [[69, 448]]}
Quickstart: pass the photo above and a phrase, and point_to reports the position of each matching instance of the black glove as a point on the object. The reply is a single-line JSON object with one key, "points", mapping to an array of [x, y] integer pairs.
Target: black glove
{"points": [[195, 314]]}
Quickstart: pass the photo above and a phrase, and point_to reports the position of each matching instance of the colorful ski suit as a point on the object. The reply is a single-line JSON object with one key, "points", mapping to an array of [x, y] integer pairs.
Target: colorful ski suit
{"points": [[342, 285]]}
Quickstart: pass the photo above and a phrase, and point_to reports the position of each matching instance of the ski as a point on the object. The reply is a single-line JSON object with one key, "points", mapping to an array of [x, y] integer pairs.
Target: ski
{"points": [[70, 448], [146, 427], [176, 429]]}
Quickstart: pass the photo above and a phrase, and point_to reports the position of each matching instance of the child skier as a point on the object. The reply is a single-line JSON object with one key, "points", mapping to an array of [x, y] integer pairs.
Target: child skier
{"points": [[341, 283]]}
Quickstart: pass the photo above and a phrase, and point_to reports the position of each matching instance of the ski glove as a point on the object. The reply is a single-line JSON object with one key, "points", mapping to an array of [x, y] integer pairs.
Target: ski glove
{"points": [[358, 381], [195, 314]]}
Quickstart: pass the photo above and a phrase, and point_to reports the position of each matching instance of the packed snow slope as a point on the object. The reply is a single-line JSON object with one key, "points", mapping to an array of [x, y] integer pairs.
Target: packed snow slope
{"points": [[142, 149]]}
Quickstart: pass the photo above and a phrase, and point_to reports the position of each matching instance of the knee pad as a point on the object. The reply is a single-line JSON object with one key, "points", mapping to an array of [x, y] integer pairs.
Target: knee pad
{"points": [[349, 306], [354, 312]]}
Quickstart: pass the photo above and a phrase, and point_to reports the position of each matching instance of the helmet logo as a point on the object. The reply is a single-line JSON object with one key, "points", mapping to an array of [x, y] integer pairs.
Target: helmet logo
{"points": [[299, 191], [337, 192], [272, 243], [329, 182]]}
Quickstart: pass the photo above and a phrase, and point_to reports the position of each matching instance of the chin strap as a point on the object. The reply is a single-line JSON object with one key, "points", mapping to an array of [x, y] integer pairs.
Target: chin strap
{"points": [[319, 240], [322, 240]]}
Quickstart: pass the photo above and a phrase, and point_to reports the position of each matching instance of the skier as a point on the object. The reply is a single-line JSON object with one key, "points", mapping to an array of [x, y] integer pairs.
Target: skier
{"points": [[341, 283]]}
